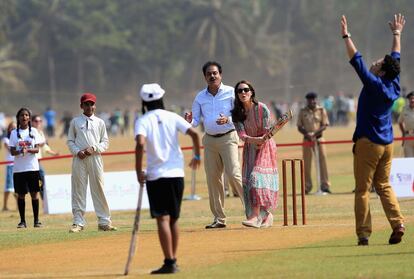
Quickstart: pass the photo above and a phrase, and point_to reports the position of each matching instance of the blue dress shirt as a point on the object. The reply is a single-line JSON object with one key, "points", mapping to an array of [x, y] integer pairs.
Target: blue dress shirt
{"points": [[374, 104]]}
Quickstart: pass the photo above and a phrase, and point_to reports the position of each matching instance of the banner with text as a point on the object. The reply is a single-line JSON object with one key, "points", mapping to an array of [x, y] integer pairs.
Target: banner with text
{"points": [[402, 177], [121, 191]]}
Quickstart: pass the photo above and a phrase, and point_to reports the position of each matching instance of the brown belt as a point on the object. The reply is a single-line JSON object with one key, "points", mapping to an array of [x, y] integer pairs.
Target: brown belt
{"points": [[220, 135]]}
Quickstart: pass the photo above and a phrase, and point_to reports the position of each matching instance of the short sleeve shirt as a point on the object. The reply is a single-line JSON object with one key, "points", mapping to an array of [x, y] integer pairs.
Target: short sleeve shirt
{"points": [[312, 120], [164, 156], [28, 161]]}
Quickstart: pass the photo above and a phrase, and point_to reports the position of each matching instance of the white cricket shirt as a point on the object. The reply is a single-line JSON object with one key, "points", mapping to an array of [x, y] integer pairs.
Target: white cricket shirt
{"points": [[164, 156]]}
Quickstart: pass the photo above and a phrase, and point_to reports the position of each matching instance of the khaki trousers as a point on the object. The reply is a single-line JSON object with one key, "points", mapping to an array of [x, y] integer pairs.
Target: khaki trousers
{"points": [[221, 153], [409, 147], [308, 153], [372, 166]]}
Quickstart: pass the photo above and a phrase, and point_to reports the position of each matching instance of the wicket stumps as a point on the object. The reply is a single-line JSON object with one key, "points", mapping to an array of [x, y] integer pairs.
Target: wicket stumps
{"points": [[302, 188]]}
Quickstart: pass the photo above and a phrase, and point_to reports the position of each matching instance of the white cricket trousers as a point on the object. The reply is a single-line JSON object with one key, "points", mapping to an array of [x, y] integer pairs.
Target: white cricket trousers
{"points": [[92, 167]]}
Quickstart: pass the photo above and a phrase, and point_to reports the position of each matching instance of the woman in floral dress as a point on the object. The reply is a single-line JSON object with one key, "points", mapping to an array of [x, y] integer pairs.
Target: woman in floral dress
{"points": [[259, 172]]}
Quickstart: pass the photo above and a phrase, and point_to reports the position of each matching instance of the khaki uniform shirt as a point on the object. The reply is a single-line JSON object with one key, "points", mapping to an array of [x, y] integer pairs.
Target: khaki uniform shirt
{"points": [[312, 120], [407, 117]]}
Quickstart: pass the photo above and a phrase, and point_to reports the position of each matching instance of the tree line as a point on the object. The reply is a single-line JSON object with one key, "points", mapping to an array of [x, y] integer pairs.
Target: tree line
{"points": [[53, 50]]}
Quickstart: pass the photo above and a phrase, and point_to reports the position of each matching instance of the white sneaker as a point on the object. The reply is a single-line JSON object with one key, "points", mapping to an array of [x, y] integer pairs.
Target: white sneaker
{"points": [[268, 222], [255, 222], [76, 228]]}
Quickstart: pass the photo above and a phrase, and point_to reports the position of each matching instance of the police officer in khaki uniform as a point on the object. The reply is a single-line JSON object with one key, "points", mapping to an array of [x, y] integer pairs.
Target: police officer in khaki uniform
{"points": [[312, 121], [406, 122]]}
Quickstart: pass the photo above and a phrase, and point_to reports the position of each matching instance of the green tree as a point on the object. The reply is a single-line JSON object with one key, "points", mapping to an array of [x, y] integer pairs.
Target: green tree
{"points": [[12, 72]]}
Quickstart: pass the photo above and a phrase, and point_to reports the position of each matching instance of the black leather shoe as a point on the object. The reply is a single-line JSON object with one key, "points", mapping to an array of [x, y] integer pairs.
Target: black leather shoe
{"points": [[363, 241], [397, 234], [216, 225], [326, 190], [165, 269]]}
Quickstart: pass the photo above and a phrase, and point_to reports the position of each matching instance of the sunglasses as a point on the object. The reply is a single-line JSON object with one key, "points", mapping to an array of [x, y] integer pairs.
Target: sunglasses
{"points": [[243, 90]]}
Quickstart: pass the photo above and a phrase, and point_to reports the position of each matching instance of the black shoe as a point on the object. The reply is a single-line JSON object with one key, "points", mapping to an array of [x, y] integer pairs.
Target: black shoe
{"points": [[21, 225], [363, 241], [37, 224], [165, 269], [397, 234], [326, 190], [216, 225]]}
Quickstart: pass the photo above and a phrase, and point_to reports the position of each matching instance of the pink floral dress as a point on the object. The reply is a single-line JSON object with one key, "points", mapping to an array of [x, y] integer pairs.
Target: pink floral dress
{"points": [[260, 177]]}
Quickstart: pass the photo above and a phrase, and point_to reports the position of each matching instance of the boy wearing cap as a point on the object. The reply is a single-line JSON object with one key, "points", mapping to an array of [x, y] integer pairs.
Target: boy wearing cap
{"points": [[158, 130], [312, 121], [87, 139]]}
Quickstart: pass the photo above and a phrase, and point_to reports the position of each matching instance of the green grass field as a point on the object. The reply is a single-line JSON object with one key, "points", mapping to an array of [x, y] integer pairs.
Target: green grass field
{"points": [[325, 248]]}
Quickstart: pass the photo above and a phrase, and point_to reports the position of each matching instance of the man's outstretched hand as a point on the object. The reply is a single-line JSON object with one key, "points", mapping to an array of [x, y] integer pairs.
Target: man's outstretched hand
{"points": [[397, 24], [344, 26]]}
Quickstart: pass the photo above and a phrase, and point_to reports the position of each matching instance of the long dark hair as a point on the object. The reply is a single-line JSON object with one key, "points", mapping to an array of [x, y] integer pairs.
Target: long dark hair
{"points": [[147, 106], [18, 122], [238, 113]]}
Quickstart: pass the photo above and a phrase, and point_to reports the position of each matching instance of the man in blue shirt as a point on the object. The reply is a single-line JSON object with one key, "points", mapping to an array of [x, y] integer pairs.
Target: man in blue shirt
{"points": [[373, 136], [213, 104], [50, 115]]}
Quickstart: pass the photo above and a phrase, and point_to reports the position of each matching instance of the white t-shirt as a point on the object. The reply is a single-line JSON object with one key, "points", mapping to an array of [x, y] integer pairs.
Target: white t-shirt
{"points": [[164, 156], [9, 157], [28, 161], [42, 139]]}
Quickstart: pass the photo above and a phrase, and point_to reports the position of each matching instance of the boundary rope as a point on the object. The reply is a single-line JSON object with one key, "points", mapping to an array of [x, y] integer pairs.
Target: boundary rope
{"points": [[190, 148]]}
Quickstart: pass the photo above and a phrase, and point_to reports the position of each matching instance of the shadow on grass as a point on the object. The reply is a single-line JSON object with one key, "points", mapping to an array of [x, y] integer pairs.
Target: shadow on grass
{"points": [[326, 247], [106, 275], [376, 255]]}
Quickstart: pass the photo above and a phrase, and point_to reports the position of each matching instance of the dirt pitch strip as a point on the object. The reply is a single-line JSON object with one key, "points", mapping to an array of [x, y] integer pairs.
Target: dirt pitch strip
{"points": [[105, 257]]}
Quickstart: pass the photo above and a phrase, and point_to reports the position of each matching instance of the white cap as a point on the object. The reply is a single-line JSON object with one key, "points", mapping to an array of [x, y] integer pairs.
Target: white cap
{"points": [[151, 92]]}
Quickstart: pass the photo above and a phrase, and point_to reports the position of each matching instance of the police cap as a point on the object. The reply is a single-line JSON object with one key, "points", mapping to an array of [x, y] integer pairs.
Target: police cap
{"points": [[311, 95]]}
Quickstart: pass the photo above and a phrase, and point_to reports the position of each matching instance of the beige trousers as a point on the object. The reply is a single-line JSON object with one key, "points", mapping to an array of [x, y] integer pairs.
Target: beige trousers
{"points": [[91, 167], [308, 153], [409, 147], [221, 153], [372, 166]]}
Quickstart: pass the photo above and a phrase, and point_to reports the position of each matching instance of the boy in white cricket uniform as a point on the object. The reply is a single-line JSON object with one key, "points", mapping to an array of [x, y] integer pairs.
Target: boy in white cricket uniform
{"points": [[158, 129], [87, 139]]}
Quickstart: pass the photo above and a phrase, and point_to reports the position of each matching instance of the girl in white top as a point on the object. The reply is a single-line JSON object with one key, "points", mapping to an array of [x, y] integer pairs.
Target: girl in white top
{"points": [[8, 187], [24, 144]]}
